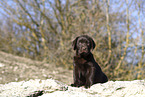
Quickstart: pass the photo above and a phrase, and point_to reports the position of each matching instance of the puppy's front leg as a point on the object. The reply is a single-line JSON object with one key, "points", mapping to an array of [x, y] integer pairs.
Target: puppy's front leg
{"points": [[76, 76], [90, 77]]}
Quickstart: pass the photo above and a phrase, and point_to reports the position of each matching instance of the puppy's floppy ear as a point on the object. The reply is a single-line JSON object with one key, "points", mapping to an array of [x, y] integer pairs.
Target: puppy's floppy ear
{"points": [[92, 43], [74, 43]]}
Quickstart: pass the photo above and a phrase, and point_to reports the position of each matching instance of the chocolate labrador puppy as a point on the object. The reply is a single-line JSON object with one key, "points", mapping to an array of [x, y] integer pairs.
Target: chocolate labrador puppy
{"points": [[86, 70]]}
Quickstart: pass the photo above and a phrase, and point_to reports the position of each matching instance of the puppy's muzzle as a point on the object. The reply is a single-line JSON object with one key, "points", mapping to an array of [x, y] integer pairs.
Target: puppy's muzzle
{"points": [[84, 50]]}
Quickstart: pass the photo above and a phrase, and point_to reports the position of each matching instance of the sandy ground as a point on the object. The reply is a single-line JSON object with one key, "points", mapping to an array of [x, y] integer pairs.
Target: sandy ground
{"points": [[15, 69]]}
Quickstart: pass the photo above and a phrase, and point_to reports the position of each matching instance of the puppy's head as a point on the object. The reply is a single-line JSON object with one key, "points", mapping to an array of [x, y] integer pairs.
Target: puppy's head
{"points": [[83, 44]]}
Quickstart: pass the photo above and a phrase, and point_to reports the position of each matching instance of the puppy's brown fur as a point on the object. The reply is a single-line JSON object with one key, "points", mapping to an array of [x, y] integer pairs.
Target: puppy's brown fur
{"points": [[86, 70]]}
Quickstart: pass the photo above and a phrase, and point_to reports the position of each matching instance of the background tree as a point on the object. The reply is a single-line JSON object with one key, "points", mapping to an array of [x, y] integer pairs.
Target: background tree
{"points": [[44, 30]]}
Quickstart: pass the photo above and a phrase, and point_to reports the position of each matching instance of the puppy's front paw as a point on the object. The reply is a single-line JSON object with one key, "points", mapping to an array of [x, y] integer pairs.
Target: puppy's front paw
{"points": [[72, 85], [75, 85], [87, 85]]}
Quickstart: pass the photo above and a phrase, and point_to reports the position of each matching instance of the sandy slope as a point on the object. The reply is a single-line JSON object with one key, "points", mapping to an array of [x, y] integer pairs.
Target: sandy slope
{"points": [[14, 68]]}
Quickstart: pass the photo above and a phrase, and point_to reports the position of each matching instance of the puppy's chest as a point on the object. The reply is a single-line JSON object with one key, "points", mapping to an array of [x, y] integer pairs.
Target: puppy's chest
{"points": [[79, 61]]}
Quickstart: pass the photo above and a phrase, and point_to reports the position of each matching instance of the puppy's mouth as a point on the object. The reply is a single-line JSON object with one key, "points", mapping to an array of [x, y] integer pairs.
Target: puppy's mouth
{"points": [[84, 52]]}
